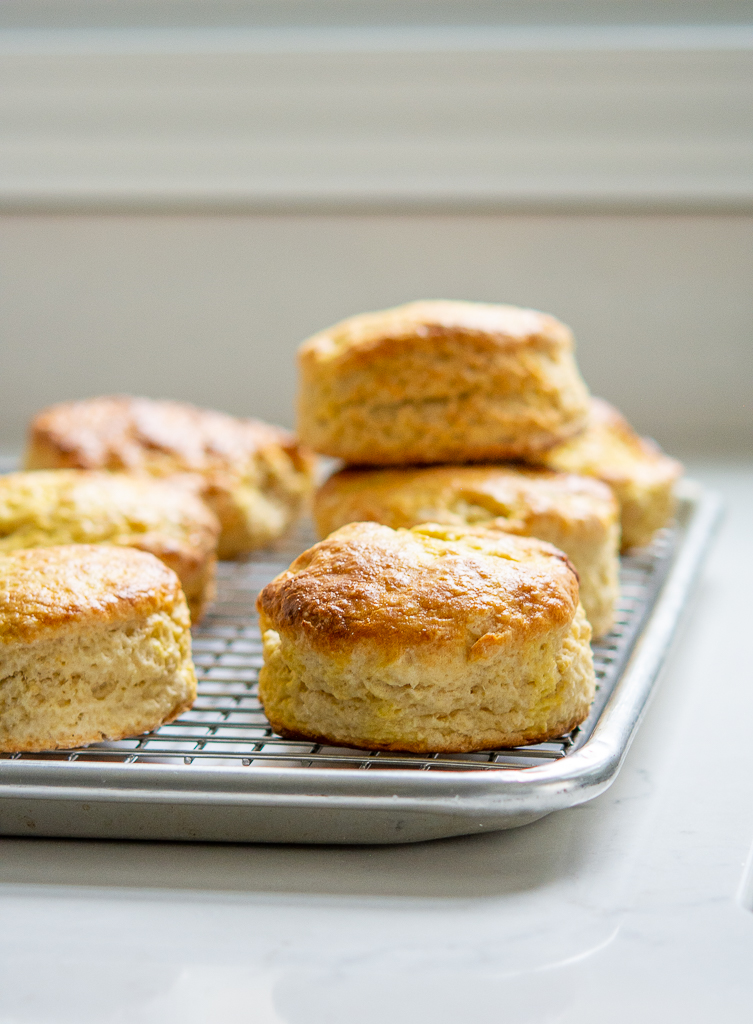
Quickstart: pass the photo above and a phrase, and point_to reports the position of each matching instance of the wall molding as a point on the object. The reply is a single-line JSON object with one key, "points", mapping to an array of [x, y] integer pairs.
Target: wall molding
{"points": [[617, 117]]}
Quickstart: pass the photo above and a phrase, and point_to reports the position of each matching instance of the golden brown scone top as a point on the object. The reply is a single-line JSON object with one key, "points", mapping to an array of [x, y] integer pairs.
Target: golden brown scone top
{"points": [[430, 585], [440, 381], [610, 449], [76, 506], [504, 326], [475, 494], [121, 432], [43, 590]]}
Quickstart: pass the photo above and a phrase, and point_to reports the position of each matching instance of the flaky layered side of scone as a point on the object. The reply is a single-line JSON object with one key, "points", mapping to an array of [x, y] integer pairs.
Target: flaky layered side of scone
{"points": [[577, 514], [46, 508], [437, 638], [440, 381], [255, 477], [95, 644], [642, 477]]}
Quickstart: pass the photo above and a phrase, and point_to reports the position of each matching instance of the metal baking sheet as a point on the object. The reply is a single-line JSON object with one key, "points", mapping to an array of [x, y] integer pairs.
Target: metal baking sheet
{"points": [[219, 772]]}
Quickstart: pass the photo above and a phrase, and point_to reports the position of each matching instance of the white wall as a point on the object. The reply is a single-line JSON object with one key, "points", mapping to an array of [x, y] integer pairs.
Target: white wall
{"points": [[389, 118], [211, 308], [186, 193]]}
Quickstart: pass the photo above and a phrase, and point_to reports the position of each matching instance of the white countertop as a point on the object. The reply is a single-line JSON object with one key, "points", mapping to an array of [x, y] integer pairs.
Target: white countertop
{"points": [[634, 907]]}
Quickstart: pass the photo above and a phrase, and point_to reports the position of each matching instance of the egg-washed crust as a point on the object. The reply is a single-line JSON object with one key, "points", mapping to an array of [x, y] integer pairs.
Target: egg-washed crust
{"points": [[641, 476], [428, 586], [121, 432], [254, 476], [437, 638], [43, 591], [513, 496], [577, 514], [440, 381], [510, 327]]}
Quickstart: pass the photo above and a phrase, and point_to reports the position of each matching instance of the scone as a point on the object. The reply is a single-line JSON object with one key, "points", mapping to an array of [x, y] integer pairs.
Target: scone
{"points": [[640, 474], [254, 476], [440, 381], [78, 506], [94, 644], [577, 514], [437, 638]]}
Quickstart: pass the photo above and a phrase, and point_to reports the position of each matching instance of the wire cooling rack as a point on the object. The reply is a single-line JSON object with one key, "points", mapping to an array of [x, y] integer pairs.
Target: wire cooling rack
{"points": [[227, 726]]}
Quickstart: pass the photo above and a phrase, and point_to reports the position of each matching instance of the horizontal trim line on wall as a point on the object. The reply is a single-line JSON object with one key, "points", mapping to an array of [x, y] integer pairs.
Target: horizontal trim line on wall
{"points": [[636, 117], [245, 200], [403, 38]]}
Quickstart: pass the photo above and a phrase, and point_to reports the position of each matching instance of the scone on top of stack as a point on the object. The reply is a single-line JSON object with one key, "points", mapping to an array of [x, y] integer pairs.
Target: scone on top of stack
{"points": [[95, 644], [574, 513], [47, 508], [255, 477], [642, 477], [439, 638], [440, 381], [464, 632]]}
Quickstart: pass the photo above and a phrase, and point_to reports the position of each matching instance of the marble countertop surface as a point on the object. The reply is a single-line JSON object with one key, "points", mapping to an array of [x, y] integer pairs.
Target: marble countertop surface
{"points": [[635, 906]]}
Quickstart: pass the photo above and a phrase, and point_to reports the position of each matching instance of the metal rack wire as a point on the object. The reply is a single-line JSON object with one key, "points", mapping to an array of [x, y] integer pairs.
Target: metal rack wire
{"points": [[227, 726]]}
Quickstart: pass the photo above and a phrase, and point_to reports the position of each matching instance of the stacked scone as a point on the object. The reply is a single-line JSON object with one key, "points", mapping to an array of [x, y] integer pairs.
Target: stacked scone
{"points": [[100, 564], [576, 514], [462, 389], [458, 622]]}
